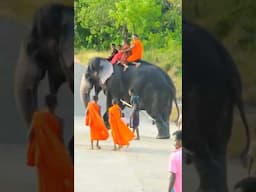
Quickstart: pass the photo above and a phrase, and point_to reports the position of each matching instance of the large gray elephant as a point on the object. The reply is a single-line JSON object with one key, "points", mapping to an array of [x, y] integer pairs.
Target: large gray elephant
{"points": [[151, 83], [211, 89], [48, 48]]}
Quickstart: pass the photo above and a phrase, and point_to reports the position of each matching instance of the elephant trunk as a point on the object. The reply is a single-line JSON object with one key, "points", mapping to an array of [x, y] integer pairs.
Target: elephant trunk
{"points": [[85, 88], [66, 49], [25, 86], [26, 103]]}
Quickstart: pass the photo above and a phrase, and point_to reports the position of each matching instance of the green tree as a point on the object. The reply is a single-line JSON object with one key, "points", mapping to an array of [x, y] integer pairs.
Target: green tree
{"points": [[138, 16], [93, 17]]}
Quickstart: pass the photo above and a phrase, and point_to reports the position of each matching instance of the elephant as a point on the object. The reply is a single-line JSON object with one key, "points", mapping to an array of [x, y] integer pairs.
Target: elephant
{"points": [[154, 87], [211, 89], [48, 48], [247, 184]]}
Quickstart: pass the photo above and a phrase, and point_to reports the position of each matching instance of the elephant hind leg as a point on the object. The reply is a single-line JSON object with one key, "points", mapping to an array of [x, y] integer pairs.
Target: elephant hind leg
{"points": [[160, 112], [162, 127]]}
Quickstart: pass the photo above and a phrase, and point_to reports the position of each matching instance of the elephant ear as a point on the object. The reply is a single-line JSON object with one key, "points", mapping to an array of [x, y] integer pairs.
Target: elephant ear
{"points": [[106, 70]]}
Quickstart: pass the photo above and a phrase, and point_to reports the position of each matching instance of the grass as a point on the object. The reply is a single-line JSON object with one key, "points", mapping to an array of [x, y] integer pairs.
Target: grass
{"points": [[83, 57]]}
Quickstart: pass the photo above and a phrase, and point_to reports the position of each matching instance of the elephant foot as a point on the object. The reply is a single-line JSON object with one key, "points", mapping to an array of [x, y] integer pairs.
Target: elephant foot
{"points": [[163, 137]]}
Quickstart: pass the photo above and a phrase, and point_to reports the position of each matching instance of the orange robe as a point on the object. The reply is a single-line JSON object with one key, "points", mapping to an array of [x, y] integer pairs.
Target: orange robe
{"points": [[95, 122], [121, 134], [48, 153], [137, 51]]}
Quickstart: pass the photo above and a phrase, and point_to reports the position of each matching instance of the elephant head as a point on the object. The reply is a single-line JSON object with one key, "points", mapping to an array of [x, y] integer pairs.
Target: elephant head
{"points": [[47, 49], [97, 73]]}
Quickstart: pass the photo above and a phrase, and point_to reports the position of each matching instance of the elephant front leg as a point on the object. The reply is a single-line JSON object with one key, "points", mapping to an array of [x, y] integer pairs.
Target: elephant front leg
{"points": [[55, 81], [108, 104]]}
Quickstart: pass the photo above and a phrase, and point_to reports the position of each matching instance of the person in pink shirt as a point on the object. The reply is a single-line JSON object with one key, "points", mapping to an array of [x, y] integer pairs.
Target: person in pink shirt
{"points": [[175, 164]]}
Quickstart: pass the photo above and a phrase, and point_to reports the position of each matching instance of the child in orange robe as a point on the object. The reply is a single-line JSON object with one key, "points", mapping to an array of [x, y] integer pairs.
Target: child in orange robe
{"points": [[121, 134], [93, 119]]}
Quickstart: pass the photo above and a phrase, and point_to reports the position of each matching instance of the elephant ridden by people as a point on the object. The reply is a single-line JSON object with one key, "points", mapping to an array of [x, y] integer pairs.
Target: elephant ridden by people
{"points": [[48, 48], [153, 86]]}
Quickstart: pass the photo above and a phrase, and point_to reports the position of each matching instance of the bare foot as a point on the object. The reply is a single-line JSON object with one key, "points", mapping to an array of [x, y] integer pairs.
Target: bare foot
{"points": [[125, 68], [137, 64], [137, 138], [99, 147]]}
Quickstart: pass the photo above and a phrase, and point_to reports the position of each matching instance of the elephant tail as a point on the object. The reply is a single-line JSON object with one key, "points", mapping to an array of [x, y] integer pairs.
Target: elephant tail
{"points": [[173, 93], [178, 110], [240, 106]]}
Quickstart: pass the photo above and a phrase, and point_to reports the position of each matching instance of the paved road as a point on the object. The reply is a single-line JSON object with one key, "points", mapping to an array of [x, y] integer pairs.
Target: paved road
{"points": [[140, 168]]}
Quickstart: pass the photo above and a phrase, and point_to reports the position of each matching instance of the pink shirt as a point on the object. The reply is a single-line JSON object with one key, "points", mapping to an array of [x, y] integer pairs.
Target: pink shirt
{"points": [[175, 166], [116, 57]]}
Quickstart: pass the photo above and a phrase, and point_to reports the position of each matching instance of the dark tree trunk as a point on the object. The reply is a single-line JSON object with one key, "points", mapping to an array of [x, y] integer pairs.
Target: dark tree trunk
{"points": [[125, 32]]}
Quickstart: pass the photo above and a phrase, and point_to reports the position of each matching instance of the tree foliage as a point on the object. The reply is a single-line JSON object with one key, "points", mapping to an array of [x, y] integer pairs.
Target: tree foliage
{"points": [[98, 23]]}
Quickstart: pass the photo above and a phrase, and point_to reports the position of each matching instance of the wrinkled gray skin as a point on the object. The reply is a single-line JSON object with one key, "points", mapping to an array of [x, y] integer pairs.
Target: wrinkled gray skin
{"points": [[48, 48], [152, 84], [211, 89]]}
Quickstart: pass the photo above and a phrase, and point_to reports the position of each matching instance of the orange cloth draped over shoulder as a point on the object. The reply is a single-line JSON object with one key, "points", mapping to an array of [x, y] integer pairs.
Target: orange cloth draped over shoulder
{"points": [[121, 134], [137, 51], [48, 153], [98, 130]]}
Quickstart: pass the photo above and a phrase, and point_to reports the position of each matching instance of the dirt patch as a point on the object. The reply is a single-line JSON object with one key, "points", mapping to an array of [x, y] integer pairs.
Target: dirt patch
{"points": [[237, 141]]}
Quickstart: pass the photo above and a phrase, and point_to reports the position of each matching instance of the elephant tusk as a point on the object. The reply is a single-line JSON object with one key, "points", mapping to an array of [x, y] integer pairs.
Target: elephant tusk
{"points": [[124, 102]]}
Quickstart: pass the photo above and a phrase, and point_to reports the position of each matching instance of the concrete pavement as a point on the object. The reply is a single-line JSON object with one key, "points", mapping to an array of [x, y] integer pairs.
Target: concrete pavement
{"points": [[140, 168]]}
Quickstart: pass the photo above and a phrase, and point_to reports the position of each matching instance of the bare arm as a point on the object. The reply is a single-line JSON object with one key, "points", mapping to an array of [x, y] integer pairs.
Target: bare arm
{"points": [[132, 46], [172, 180], [129, 49]]}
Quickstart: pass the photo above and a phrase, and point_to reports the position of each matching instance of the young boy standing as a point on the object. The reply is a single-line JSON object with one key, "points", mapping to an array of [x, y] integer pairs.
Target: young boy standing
{"points": [[175, 164], [93, 119], [135, 115]]}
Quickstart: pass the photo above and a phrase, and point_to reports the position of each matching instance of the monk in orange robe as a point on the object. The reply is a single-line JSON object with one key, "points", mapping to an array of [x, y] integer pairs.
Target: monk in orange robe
{"points": [[136, 49], [93, 119], [47, 151], [121, 133]]}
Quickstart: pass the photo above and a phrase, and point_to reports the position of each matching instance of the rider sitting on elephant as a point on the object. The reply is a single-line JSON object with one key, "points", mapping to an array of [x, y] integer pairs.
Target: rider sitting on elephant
{"points": [[113, 52], [136, 49], [117, 56], [122, 55]]}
